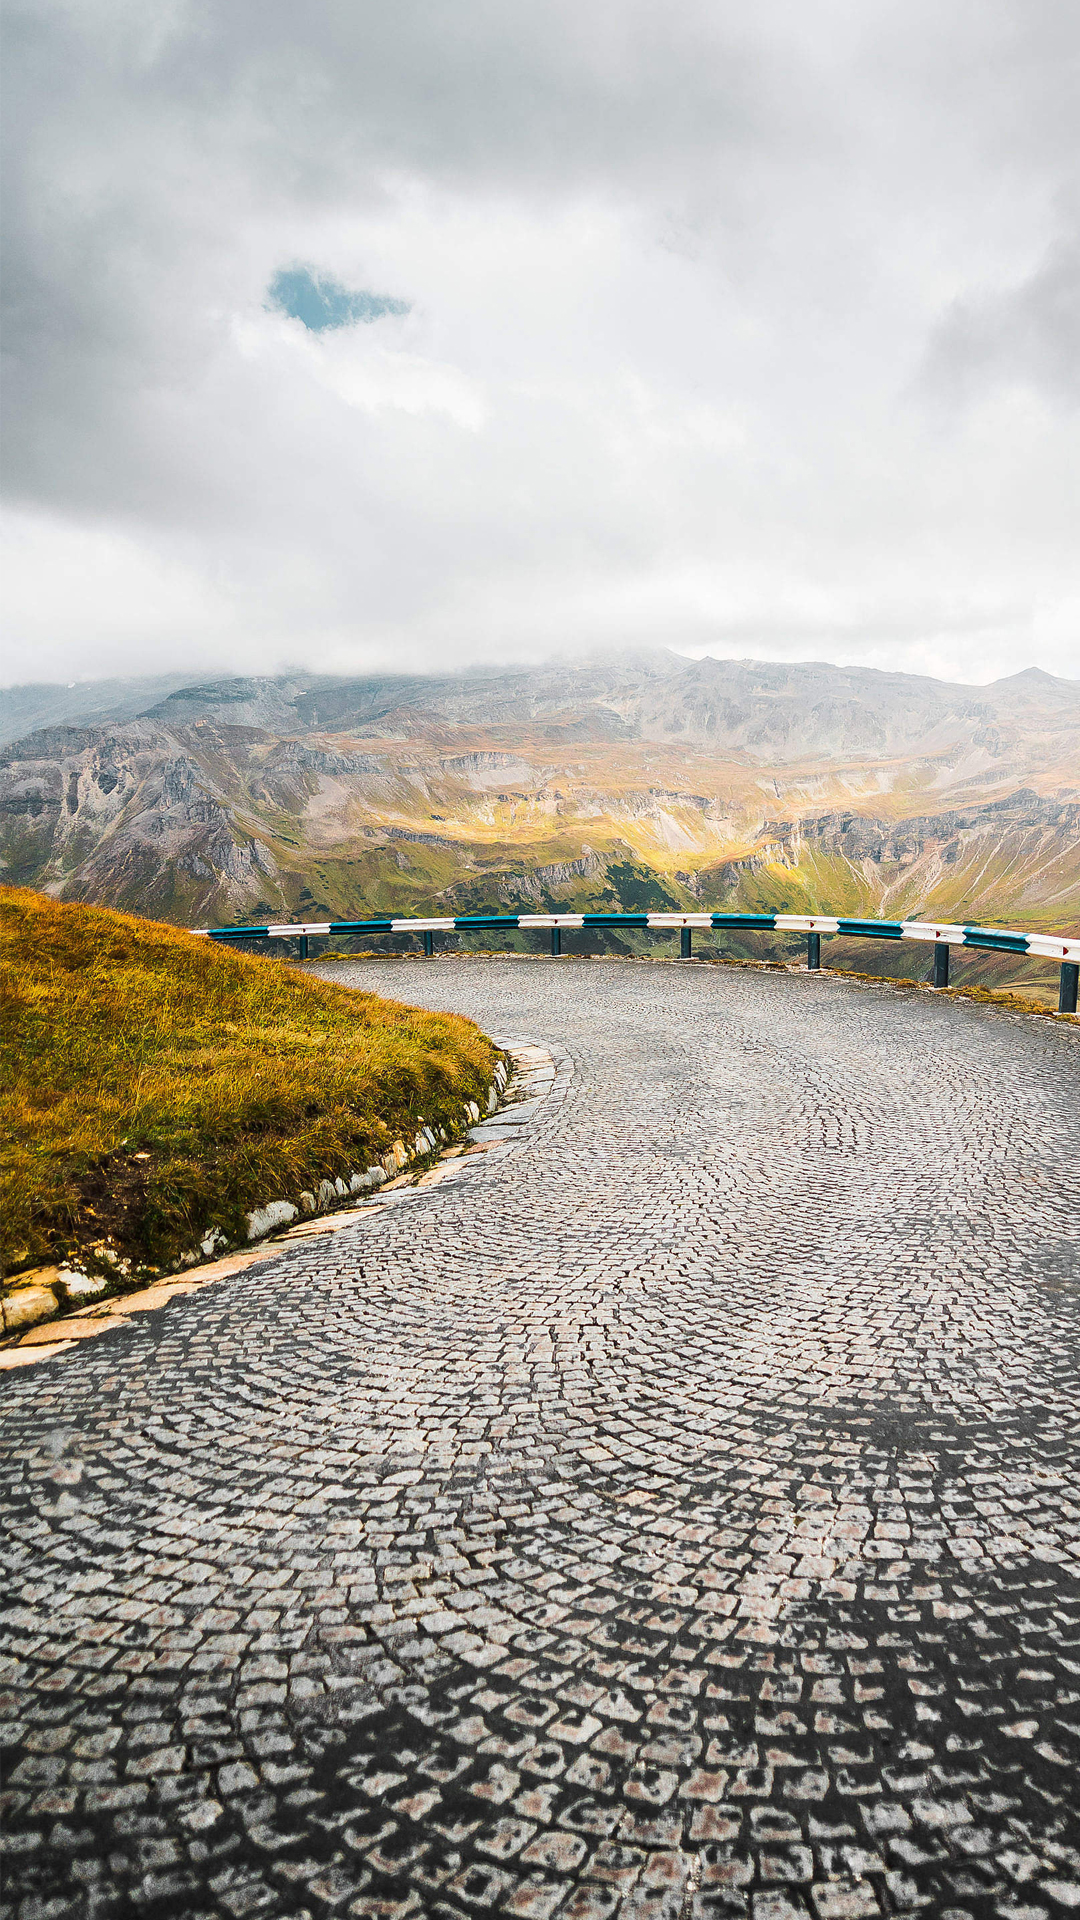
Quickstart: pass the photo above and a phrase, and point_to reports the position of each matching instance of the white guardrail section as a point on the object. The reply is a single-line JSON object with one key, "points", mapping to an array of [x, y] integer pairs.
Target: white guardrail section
{"points": [[1062, 948]]}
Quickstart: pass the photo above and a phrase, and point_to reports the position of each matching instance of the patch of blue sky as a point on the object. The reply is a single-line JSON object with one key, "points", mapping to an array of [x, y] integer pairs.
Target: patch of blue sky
{"points": [[319, 301]]}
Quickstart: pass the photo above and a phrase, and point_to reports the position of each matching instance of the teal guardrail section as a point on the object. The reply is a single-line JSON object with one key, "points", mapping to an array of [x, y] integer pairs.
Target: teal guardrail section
{"points": [[942, 935]]}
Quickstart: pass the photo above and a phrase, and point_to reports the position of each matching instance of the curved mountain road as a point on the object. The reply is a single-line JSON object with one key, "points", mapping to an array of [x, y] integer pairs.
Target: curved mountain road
{"points": [[672, 1514]]}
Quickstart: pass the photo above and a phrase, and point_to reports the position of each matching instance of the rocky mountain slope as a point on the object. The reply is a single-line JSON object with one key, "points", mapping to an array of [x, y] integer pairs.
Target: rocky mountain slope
{"points": [[647, 781], [37, 704]]}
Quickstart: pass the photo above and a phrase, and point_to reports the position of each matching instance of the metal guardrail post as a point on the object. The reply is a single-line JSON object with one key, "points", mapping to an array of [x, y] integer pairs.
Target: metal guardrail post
{"points": [[813, 952], [1070, 975], [941, 964], [303, 946], [556, 941], [429, 943], [685, 948]]}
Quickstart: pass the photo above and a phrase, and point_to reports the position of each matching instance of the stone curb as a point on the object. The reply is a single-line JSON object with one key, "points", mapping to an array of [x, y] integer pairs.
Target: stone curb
{"points": [[537, 1081], [47, 1293]]}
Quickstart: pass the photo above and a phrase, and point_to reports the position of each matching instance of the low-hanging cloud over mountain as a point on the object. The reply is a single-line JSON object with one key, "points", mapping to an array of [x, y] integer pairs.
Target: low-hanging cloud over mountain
{"points": [[353, 335]]}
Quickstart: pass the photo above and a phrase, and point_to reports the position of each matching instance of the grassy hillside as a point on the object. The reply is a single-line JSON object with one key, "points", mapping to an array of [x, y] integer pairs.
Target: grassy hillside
{"points": [[156, 1086]]}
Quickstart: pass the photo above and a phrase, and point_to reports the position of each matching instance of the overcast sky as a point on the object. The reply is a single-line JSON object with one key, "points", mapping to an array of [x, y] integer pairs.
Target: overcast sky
{"points": [[349, 334]]}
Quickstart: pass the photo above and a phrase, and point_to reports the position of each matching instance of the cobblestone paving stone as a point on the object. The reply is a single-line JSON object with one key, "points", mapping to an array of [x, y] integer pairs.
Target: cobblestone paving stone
{"points": [[672, 1516]]}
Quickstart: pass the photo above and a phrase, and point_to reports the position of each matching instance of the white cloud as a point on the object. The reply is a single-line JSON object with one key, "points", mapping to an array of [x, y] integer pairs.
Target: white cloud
{"points": [[360, 370], [745, 331]]}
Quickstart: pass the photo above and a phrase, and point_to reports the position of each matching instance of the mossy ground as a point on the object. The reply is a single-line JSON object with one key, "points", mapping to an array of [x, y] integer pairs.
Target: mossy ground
{"points": [[156, 1085]]}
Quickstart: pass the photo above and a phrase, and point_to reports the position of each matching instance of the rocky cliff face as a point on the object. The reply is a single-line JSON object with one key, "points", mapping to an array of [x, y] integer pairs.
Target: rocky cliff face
{"points": [[649, 782], [1016, 858], [126, 816]]}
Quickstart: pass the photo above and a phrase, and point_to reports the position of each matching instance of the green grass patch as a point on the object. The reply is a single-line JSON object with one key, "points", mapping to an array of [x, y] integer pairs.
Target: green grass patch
{"points": [[156, 1085]]}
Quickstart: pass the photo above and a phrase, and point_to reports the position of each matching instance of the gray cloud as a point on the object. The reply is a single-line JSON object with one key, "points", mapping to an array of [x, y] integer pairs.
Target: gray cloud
{"points": [[1027, 334], [675, 311]]}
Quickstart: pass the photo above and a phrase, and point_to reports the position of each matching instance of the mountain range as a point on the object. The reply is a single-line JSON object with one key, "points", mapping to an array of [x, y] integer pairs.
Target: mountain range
{"points": [[635, 781]]}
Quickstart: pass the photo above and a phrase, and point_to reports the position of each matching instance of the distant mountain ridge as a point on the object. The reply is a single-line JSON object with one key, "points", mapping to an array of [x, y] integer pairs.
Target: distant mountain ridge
{"points": [[26, 709], [747, 706], [641, 779]]}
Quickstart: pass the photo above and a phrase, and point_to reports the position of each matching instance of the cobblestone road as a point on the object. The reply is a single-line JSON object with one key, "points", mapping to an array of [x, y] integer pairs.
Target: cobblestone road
{"points": [[675, 1516]]}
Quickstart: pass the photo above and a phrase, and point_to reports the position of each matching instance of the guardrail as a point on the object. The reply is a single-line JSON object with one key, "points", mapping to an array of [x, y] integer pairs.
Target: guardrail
{"points": [[1065, 949]]}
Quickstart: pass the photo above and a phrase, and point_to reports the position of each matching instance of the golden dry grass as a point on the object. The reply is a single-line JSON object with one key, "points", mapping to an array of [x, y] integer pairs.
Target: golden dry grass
{"points": [[155, 1084]]}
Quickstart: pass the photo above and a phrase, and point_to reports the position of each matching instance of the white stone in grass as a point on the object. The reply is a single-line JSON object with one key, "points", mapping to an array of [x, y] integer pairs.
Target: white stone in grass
{"points": [[81, 1286], [276, 1213], [307, 1201], [27, 1307]]}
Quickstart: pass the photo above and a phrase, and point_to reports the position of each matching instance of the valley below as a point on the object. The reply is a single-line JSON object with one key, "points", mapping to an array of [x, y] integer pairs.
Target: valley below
{"points": [[643, 783]]}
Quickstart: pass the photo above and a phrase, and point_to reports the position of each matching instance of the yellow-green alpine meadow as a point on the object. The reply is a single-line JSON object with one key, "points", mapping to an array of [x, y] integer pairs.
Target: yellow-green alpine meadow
{"points": [[156, 1086]]}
